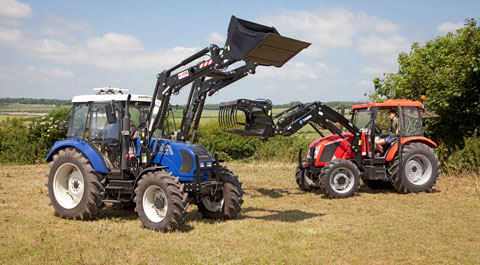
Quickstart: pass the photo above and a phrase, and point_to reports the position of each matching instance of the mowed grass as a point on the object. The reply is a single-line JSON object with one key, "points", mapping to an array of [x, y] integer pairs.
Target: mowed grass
{"points": [[278, 224]]}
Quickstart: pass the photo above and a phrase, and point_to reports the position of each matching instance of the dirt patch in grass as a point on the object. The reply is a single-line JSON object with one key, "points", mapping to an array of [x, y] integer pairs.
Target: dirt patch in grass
{"points": [[278, 224]]}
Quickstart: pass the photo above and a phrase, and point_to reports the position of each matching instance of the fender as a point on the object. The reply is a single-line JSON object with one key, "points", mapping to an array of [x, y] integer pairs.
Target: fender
{"points": [[421, 139], [92, 155], [145, 171]]}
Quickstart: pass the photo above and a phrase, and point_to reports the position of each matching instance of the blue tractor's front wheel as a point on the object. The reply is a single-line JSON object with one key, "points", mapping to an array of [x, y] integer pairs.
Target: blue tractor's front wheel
{"points": [[160, 201]]}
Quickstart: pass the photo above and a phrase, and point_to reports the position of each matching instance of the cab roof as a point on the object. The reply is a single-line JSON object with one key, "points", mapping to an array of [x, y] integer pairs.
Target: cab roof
{"points": [[108, 94], [110, 97], [391, 103]]}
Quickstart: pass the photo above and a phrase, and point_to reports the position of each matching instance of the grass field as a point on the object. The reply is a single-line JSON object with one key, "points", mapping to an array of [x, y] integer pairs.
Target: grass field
{"points": [[278, 224]]}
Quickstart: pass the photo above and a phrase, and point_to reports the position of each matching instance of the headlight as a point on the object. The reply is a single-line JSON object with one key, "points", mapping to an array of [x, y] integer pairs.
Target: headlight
{"points": [[208, 164], [202, 165], [317, 149]]}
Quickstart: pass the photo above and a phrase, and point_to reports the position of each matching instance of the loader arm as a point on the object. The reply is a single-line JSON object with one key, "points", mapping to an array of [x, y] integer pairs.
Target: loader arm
{"points": [[263, 124], [198, 94], [252, 43]]}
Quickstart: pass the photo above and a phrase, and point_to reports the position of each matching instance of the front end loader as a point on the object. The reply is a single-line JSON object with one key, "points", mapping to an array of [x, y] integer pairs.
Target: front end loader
{"points": [[118, 150], [336, 163]]}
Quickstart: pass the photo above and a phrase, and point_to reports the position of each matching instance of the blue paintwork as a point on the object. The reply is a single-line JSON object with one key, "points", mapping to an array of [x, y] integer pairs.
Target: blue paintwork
{"points": [[95, 159], [169, 156]]}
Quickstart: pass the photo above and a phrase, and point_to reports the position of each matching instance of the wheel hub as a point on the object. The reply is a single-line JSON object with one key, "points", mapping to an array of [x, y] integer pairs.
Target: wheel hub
{"points": [[68, 185], [155, 203], [159, 202], [342, 180], [418, 169]]}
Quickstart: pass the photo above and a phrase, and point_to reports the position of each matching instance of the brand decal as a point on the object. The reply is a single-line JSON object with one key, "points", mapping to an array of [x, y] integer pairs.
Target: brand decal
{"points": [[183, 74]]}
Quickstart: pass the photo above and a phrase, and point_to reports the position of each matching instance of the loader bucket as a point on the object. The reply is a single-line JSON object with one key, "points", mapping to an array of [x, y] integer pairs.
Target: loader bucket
{"points": [[247, 118], [260, 44]]}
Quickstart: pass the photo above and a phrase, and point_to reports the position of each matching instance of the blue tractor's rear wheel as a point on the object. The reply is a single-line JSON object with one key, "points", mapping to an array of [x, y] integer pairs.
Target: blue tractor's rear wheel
{"points": [[74, 188]]}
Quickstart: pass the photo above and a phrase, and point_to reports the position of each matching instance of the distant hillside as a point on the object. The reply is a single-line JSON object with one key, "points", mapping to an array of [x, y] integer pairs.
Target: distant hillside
{"points": [[60, 102], [40, 101]]}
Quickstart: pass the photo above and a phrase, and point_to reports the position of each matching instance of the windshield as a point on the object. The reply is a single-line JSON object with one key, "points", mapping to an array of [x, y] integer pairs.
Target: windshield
{"points": [[138, 113], [361, 118]]}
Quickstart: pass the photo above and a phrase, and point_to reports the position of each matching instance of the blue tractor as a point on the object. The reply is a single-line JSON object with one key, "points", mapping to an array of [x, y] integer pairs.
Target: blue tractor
{"points": [[120, 149]]}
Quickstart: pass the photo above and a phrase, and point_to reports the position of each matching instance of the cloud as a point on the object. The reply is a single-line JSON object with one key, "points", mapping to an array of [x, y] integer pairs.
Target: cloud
{"points": [[14, 9], [10, 36], [114, 43], [34, 75], [215, 38], [383, 50], [296, 71], [373, 71], [449, 26], [326, 29]]}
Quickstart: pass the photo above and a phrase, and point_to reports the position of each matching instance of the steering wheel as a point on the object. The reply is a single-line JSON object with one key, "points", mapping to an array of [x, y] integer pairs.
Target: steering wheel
{"points": [[378, 130]]}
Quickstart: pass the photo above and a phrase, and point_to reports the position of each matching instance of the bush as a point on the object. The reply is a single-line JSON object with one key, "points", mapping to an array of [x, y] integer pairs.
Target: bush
{"points": [[461, 160], [230, 146], [29, 144]]}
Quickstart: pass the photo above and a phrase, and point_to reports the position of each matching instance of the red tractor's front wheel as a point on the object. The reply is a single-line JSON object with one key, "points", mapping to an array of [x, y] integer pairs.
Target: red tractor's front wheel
{"points": [[340, 178]]}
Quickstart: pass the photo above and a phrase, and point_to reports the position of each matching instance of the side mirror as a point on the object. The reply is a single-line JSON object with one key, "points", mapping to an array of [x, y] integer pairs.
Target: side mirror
{"points": [[110, 111]]}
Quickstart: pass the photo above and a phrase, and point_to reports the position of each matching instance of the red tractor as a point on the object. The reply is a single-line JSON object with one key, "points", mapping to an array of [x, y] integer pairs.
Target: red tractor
{"points": [[336, 163]]}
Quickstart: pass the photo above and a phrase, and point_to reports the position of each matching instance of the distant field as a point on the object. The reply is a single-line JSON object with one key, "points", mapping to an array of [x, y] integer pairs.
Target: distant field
{"points": [[37, 108], [278, 224]]}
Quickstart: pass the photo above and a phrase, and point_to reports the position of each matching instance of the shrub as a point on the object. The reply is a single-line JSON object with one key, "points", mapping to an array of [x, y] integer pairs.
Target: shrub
{"points": [[29, 144], [230, 146], [462, 160]]}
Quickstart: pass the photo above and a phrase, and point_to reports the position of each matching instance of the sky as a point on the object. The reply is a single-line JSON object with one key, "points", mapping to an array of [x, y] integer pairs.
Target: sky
{"points": [[59, 49]]}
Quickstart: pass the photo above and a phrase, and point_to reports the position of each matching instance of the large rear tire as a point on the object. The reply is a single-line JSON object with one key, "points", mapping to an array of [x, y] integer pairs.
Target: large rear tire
{"points": [[73, 187], [339, 178], [226, 202], [421, 169], [161, 203]]}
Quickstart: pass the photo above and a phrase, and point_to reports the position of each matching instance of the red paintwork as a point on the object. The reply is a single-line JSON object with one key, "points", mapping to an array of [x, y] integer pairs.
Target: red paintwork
{"points": [[343, 150], [391, 103], [421, 139]]}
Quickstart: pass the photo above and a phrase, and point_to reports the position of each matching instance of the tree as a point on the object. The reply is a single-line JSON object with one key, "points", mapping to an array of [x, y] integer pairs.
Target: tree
{"points": [[447, 71]]}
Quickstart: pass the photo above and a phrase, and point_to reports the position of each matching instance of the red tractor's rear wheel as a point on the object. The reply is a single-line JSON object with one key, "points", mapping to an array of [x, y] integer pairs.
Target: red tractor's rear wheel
{"points": [[421, 169]]}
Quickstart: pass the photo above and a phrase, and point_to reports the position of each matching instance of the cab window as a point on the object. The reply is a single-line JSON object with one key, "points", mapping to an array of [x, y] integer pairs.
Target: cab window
{"points": [[361, 118], [412, 121], [78, 123]]}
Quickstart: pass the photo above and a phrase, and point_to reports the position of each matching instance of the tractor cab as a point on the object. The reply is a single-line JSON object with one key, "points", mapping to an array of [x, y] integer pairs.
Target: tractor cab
{"points": [[96, 119], [387, 121]]}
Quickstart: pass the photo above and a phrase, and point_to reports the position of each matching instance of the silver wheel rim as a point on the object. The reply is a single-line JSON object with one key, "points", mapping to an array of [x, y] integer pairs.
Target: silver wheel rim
{"points": [[418, 169], [342, 180], [68, 186], [155, 203], [212, 206]]}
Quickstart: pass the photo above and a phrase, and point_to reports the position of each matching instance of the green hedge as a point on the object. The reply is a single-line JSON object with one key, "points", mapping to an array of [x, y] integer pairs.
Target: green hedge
{"points": [[22, 143], [461, 160], [230, 146]]}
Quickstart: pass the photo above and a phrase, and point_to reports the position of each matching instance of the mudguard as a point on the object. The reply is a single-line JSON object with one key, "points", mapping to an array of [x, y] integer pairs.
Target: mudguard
{"points": [[421, 139], [92, 155]]}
